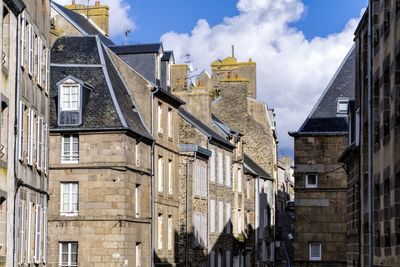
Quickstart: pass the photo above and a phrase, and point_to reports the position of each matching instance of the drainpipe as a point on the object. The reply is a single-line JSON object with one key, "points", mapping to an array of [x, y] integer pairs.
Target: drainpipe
{"points": [[16, 184], [187, 209], [370, 128], [152, 178], [257, 223]]}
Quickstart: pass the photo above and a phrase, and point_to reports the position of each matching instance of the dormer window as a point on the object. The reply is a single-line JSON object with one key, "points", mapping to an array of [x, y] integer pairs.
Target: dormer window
{"points": [[342, 106], [69, 102]]}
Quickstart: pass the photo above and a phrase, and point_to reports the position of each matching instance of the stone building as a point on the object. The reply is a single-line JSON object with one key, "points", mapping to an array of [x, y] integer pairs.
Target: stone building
{"points": [[100, 209], [23, 136], [285, 183], [321, 181], [233, 86], [379, 169]]}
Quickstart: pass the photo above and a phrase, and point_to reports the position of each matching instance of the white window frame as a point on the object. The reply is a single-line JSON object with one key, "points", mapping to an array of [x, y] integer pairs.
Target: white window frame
{"points": [[22, 231], [308, 185], [228, 216], [23, 26], [28, 240], [31, 50], [170, 177], [220, 164], [45, 220], [47, 71], [159, 117], [69, 253], [228, 168], [160, 224], [73, 156], [239, 180], [70, 210], [168, 74], [31, 138], [170, 233], [138, 254], [39, 149], [46, 149], [313, 258], [64, 93], [137, 153], [137, 200], [160, 174], [21, 131], [39, 61], [38, 233], [342, 102], [212, 166], [170, 127], [220, 216]]}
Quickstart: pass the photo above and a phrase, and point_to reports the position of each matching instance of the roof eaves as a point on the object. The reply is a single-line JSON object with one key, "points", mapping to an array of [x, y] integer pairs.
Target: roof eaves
{"points": [[65, 16]]}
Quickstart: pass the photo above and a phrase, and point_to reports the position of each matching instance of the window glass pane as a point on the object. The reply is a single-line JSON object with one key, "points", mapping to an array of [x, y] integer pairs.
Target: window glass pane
{"points": [[315, 250], [312, 179]]}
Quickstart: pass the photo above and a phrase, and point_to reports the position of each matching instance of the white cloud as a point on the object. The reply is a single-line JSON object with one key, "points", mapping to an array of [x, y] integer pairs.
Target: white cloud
{"points": [[292, 71], [120, 20]]}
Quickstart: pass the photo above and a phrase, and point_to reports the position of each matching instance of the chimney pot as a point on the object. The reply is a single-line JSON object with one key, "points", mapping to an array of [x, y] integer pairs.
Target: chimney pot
{"points": [[97, 3], [73, 2]]}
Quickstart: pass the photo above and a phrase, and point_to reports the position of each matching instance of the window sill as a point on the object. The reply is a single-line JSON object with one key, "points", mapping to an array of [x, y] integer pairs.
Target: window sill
{"points": [[160, 134], [69, 162], [69, 214], [170, 139]]}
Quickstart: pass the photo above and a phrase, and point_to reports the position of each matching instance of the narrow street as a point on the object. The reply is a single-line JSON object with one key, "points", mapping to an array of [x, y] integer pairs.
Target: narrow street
{"points": [[284, 256]]}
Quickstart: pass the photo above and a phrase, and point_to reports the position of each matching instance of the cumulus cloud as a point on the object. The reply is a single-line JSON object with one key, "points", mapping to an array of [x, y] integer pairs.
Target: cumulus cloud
{"points": [[292, 71], [120, 20]]}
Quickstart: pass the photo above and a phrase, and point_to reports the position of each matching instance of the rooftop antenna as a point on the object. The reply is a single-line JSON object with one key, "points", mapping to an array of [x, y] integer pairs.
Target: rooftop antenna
{"points": [[87, 9], [233, 51]]}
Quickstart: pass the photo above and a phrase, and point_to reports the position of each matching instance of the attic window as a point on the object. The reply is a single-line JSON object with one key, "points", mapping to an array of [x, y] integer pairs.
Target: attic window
{"points": [[342, 106], [70, 95]]}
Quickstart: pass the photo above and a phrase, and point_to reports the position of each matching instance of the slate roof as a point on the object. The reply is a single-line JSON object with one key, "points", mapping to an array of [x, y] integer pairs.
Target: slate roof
{"points": [[323, 118], [168, 97], [108, 105], [167, 56], [215, 138], [253, 167], [80, 22], [137, 49]]}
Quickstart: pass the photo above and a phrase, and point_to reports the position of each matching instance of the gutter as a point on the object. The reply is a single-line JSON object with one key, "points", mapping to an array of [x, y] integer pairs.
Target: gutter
{"points": [[187, 209], [152, 155]]}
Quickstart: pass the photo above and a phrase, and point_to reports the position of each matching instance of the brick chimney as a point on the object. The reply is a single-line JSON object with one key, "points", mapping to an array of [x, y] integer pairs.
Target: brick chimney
{"points": [[98, 14]]}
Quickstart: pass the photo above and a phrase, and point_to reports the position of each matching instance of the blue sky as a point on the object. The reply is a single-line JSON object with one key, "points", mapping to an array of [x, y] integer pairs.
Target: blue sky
{"points": [[156, 17]]}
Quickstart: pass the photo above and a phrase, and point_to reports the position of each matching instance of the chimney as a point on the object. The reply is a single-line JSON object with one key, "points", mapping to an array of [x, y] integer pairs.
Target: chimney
{"points": [[98, 14]]}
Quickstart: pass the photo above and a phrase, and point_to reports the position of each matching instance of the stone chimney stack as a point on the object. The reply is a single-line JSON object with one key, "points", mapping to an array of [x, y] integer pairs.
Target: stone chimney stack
{"points": [[98, 14]]}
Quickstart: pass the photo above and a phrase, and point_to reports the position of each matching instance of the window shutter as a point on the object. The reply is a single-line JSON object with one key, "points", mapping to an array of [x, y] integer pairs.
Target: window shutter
{"points": [[30, 50], [22, 230], [39, 61], [228, 170], [220, 216], [220, 168], [160, 175], [37, 234], [44, 253], [29, 236], [46, 148], [212, 215], [22, 27], [47, 71], [39, 150], [212, 166], [21, 130]]}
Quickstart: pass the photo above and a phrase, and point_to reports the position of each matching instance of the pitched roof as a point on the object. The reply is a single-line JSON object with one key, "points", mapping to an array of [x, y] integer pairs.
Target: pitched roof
{"points": [[253, 167], [167, 56], [81, 23], [108, 105], [323, 118], [137, 49], [215, 138]]}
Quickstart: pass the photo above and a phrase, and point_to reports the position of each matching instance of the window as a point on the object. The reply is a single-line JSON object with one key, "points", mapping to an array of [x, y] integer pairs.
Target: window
{"points": [[170, 123], [248, 189], [220, 168], [228, 170], [39, 61], [200, 229], [6, 38], [69, 97], [40, 145], [29, 235], [31, 124], [38, 232], [170, 233], [31, 59], [228, 212], [69, 199], [68, 254], [137, 153], [239, 221], [212, 166], [46, 149], [212, 258], [220, 216], [22, 216], [47, 70], [137, 201], [168, 74], [159, 118], [311, 181], [212, 215], [160, 174], [138, 254], [219, 259], [170, 177], [21, 120], [23, 26], [70, 149], [160, 231], [315, 251], [200, 179], [239, 180], [342, 106]]}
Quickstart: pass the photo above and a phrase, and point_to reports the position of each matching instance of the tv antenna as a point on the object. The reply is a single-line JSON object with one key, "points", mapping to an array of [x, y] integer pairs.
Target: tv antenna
{"points": [[127, 32]]}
